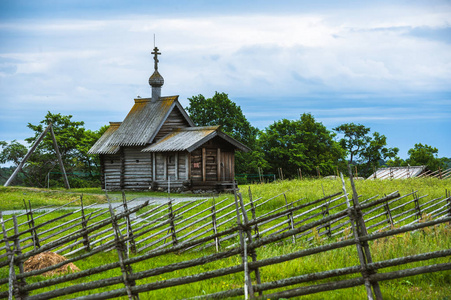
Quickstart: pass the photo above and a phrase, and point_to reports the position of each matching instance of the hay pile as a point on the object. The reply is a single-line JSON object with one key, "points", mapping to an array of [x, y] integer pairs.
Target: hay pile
{"points": [[47, 259]]}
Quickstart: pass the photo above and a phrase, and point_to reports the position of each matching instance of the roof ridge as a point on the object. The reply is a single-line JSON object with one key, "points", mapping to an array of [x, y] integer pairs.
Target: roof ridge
{"points": [[215, 127]]}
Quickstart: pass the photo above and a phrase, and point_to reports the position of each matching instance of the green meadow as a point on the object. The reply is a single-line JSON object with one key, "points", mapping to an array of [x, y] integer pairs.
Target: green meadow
{"points": [[427, 286]]}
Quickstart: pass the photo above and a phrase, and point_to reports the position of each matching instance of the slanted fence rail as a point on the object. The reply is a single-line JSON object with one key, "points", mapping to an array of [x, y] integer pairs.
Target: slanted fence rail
{"points": [[233, 227]]}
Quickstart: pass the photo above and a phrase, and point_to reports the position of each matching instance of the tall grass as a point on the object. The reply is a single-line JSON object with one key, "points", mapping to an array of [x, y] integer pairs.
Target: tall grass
{"points": [[427, 286]]}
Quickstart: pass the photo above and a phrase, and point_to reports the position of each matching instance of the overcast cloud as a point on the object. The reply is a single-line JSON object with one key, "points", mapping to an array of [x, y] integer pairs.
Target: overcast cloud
{"points": [[386, 65]]}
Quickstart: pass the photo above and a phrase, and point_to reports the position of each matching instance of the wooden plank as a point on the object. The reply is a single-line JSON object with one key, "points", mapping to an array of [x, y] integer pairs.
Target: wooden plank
{"points": [[204, 161], [176, 165], [165, 167], [218, 161], [232, 165], [153, 167], [188, 165], [122, 158]]}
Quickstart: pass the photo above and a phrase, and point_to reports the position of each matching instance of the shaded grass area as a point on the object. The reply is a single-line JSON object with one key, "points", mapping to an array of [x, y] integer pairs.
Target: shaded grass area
{"points": [[427, 286]]}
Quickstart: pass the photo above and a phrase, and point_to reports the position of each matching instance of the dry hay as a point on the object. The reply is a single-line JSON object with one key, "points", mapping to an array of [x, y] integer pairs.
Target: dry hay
{"points": [[47, 259]]}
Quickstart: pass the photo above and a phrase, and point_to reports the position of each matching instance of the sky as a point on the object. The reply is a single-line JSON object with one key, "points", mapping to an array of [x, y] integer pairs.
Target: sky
{"points": [[382, 64]]}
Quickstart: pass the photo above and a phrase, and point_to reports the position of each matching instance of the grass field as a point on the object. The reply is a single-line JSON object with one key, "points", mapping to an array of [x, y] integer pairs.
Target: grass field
{"points": [[427, 286]]}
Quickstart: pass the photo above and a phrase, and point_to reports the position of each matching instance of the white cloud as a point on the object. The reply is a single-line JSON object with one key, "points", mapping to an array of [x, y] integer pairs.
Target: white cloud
{"points": [[102, 64]]}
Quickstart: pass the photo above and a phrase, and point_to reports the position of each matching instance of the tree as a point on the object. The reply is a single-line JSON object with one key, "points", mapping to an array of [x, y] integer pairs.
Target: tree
{"points": [[425, 155], [303, 143], [220, 110], [364, 150], [11, 153], [73, 141], [355, 139]]}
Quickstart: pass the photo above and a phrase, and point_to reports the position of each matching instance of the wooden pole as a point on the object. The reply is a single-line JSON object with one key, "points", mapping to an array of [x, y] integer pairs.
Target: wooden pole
{"points": [[213, 220], [130, 235], [248, 290], [34, 234], [388, 214], [417, 207], [360, 253], [19, 263], [126, 269], [84, 225], [290, 218], [27, 156], [171, 223], [361, 231], [58, 156], [254, 215], [12, 281]]}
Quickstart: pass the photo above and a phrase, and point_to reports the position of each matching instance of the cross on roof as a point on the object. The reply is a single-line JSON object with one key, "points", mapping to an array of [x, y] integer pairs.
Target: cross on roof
{"points": [[155, 57]]}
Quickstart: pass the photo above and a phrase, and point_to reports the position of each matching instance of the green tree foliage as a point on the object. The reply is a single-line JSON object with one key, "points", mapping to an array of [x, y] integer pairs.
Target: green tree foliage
{"points": [[363, 149], [425, 155], [73, 141], [355, 139], [303, 143], [220, 110], [11, 153]]}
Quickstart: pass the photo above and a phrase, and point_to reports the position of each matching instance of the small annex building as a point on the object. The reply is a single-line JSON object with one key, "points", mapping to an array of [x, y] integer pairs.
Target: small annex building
{"points": [[157, 145]]}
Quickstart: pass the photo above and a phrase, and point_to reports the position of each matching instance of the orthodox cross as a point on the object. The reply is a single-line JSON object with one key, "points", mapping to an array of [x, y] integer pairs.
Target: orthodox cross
{"points": [[155, 57]]}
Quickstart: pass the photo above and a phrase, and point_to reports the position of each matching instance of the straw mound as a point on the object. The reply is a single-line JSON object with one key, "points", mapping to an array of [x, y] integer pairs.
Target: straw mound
{"points": [[47, 259]]}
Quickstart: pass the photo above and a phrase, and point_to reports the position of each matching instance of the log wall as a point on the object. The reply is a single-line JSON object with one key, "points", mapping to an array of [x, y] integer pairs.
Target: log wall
{"points": [[211, 165], [112, 171], [137, 168]]}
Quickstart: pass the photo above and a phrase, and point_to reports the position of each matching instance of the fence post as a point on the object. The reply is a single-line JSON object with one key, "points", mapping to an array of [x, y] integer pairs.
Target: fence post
{"points": [[325, 211], [417, 207], [18, 250], [352, 214], [388, 214], [213, 220], [84, 225], [130, 236], [254, 215], [249, 236], [34, 234], [12, 282], [448, 195], [171, 223], [361, 231], [248, 289], [290, 218], [126, 269]]}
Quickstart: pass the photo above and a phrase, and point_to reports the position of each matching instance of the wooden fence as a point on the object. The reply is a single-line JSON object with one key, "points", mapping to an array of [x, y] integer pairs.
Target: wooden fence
{"points": [[172, 227]]}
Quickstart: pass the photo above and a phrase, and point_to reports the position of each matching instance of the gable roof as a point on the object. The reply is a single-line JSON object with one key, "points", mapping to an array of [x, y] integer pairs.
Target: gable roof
{"points": [[145, 120], [191, 138], [102, 145]]}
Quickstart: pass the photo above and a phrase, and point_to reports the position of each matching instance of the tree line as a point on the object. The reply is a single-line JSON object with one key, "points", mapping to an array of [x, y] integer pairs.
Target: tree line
{"points": [[305, 144], [292, 145]]}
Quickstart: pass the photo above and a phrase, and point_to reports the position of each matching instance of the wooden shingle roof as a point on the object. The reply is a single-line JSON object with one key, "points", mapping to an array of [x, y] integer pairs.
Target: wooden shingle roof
{"points": [[191, 138], [144, 121], [102, 145]]}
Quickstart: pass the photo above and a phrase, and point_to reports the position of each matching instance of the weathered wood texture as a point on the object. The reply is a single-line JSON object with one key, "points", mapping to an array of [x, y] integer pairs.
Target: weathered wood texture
{"points": [[112, 171], [174, 120], [137, 168]]}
